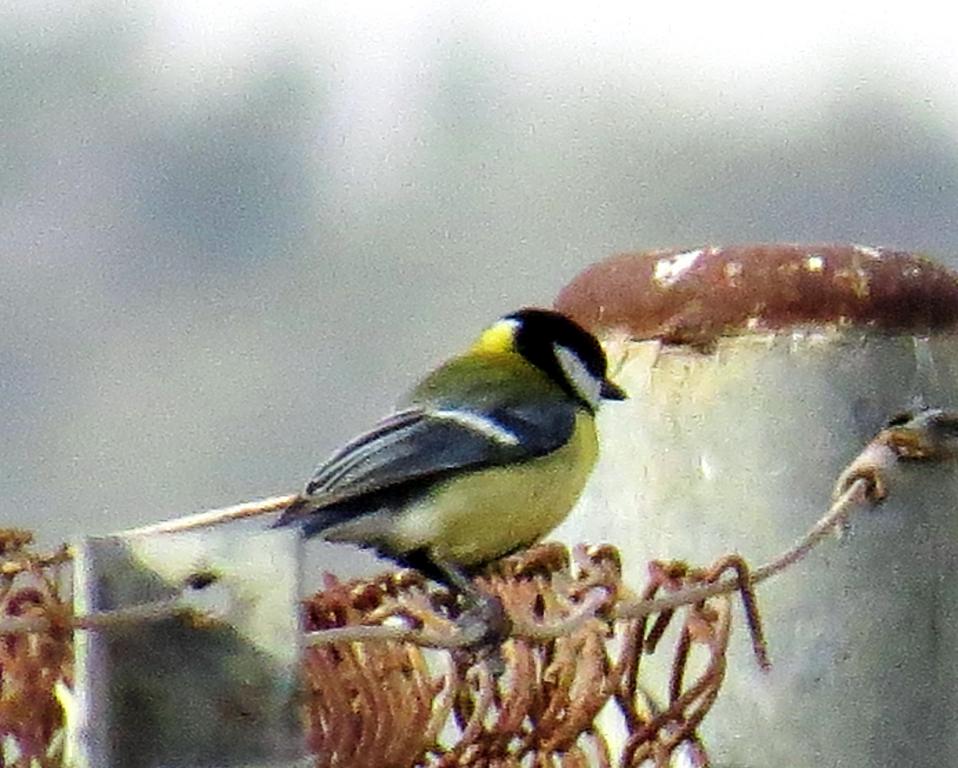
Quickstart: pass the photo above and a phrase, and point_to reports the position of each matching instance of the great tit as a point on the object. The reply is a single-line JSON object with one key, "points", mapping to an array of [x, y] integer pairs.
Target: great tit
{"points": [[484, 457]]}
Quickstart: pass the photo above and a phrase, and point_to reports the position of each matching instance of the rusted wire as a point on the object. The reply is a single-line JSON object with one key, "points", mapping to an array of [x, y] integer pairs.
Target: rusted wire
{"points": [[561, 668], [377, 695], [543, 707], [393, 703], [33, 664]]}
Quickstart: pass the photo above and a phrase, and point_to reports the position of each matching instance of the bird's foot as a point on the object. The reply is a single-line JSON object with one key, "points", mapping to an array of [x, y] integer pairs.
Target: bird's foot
{"points": [[485, 626], [485, 622]]}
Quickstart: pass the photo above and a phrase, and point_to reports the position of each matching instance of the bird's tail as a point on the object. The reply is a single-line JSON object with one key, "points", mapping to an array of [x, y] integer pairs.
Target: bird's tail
{"points": [[296, 512], [305, 513]]}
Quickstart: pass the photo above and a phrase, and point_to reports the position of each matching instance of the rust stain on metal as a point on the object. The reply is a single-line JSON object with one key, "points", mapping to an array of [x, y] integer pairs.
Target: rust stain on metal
{"points": [[695, 296]]}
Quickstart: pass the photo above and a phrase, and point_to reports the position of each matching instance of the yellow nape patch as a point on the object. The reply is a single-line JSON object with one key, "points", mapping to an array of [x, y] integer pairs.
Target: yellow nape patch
{"points": [[497, 338]]}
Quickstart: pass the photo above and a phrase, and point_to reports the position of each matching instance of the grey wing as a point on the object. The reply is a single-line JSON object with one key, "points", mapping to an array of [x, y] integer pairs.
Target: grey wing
{"points": [[418, 445]]}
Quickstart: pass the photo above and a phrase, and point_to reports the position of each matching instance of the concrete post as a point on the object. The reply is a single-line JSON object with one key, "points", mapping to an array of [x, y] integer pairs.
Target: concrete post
{"points": [[755, 375], [218, 691]]}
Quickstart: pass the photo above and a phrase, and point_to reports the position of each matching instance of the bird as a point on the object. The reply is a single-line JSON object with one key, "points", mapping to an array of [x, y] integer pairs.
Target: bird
{"points": [[485, 456]]}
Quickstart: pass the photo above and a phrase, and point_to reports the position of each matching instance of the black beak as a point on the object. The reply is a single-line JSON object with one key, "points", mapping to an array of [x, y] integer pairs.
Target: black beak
{"points": [[611, 391]]}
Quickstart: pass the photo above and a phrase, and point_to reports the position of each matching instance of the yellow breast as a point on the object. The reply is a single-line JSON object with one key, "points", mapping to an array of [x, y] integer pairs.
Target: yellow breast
{"points": [[476, 518]]}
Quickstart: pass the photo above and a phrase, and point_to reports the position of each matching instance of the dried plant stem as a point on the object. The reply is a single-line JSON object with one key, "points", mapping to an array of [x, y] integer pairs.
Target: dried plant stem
{"points": [[135, 614], [101, 620], [836, 517], [15, 565], [215, 516], [856, 492], [835, 520], [360, 633]]}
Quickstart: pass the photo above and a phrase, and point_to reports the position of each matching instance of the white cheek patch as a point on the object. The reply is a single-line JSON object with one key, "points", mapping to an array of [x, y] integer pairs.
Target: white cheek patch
{"points": [[583, 382]]}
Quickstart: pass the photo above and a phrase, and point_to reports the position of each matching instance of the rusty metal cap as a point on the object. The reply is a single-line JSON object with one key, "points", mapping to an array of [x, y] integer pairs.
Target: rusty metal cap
{"points": [[695, 296]]}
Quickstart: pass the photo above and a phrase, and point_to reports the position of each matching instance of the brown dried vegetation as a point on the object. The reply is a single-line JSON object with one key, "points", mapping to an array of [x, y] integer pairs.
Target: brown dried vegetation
{"points": [[533, 702], [32, 664]]}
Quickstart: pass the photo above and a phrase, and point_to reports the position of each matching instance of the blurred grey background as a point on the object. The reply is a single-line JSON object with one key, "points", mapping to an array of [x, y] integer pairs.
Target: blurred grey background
{"points": [[230, 236]]}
